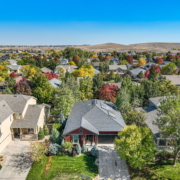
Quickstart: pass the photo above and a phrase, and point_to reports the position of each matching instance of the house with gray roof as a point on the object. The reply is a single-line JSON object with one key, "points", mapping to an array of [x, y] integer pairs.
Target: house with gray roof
{"points": [[92, 122], [67, 68], [118, 68], [55, 82], [14, 68], [46, 70], [135, 72], [20, 118], [175, 79]]}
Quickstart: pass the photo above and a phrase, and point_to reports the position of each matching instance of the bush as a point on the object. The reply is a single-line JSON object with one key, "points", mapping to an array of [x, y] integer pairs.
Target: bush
{"points": [[78, 149], [0, 167], [40, 134], [54, 149], [55, 136], [94, 151], [46, 130], [84, 148], [67, 146], [57, 126], [140, 75], [85, 177]]}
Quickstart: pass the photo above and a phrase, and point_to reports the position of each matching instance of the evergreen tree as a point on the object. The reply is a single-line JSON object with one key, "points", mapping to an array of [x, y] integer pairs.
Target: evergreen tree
{"points": [[46, 130], [55, 136], [78, 149], [84, 148], [40, 134]]}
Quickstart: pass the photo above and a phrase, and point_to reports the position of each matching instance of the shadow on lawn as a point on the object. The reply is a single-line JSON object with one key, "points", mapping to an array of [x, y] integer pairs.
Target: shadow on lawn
{"points": [[90, 163]]}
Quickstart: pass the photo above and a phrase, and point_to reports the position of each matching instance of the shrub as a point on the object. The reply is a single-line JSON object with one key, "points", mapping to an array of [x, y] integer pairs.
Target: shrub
{"points": [[84, 148], [78, 149], [94, 151], [46, 130], [40, 134], [67, 146], [140, 75], [54, 138], [54, 148], [57, 126], [85, 177], [0, 167]]}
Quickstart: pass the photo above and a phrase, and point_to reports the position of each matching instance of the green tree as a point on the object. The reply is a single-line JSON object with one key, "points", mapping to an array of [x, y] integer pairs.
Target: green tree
{"points": [[55, 136], [41, 88], [86, 85], [140, 75], [97, 82], [168, 69], [104, 67], [9, 85], [46, 130], [67, 146], [136, 145], [78, 149], [118, 78], [84, 148], [168, 122], [127, 81], [112, 75], [40, 134]]}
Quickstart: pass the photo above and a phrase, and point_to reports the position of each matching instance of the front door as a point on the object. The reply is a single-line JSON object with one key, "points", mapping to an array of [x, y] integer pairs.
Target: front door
{"points": [[89, 139], [17, 133]]}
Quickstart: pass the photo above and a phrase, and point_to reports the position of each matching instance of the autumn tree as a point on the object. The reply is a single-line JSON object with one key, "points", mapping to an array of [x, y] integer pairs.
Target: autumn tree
{"points": [[108, 92], [168, 69], [23, 87], [129, 59], [141, 62], [51, 75], [9, 85], [86, 85], [41, 88], [154, 72], [159, 60], [29, 71], [168, 122], [13, 75], [76, 59], [135, 145], [123, 62], [3, 71], [84, 70]]}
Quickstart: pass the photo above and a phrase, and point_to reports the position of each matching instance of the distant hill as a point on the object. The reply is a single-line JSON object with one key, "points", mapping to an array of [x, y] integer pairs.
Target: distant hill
{"points": [[154, 46]]}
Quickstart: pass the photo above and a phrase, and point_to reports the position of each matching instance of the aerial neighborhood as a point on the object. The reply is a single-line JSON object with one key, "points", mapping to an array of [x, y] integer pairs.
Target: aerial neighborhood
{"points": [[79, 114]]}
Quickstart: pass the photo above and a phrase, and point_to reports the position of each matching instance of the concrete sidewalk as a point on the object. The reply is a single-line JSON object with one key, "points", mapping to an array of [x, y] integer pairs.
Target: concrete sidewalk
{"points": [[111, 165], [18, 162]]}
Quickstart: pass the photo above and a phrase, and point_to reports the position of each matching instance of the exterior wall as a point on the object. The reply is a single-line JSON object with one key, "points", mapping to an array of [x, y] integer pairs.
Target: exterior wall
{"points": [[5, 136], [77, 131], [68, 138], [30, 102], [41, 120], [111, 132]]}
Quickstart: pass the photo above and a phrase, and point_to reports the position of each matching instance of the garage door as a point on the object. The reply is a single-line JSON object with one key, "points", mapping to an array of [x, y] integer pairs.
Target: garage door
{"points": [[106, 139]]}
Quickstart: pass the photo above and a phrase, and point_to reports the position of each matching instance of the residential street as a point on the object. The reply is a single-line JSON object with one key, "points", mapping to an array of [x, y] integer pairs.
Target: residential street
{"points": [[111, 165], [18, 163]]}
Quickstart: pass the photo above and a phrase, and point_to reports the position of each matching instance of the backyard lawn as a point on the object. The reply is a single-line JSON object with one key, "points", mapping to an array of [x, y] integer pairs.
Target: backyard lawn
{"points": [[63, 168], [155, 171], [110, 81]]}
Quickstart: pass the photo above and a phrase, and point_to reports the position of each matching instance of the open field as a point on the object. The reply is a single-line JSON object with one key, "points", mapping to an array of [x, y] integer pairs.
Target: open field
{"points": [[157, 47]]}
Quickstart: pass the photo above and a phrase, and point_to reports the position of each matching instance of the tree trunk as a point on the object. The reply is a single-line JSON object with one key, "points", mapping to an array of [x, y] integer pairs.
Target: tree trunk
{"points": [[175, 157]]}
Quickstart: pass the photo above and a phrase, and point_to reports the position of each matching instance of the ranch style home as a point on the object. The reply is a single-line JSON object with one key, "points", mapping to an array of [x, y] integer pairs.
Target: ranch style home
{"points": [[93, 122], [20, 118]]}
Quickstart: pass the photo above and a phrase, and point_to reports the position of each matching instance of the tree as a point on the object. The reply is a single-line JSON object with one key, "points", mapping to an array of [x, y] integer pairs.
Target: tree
{"points": [[41, 88], [111, 75], [86, 85], [159, 60], [94, 151], [9, 85], [23, 87], [140, 75], [13, 75], [46, 130], [135, 117], [76, 59], [108, 92], [37, 151], [29, 71], [51, 75], [104, 67], [55, 136], [123, 62], [54, 148], [84, 148], [168, 69], [3, 71], [129, 59], [141, 62], [78, 149], [67, 146], [97, 82], [148, 57], [169, 123], [154, 72], [135, 145], [84, 70], [40, 134], [127, 81], [61, 72], [118, 78]]}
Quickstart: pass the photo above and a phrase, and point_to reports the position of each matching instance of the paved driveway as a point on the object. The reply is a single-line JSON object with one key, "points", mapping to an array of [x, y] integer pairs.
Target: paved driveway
{"points": [[111, 165], [18, 163]]}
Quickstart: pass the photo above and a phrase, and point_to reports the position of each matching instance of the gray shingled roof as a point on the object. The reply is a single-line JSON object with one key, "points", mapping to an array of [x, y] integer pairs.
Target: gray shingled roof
{"points": [[30, 119], [175, 79], [156, 100], [137, 71], [5, 111], [91, 116], [115, 67], [16, 102], [151, 114], [46, 70], [14, 67], [55, 82]]}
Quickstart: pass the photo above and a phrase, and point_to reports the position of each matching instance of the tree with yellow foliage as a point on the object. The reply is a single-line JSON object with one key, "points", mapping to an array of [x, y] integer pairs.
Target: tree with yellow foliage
{"points": [[72, 63], [84, 70], [29, 71], [3, 71], [141, 62]]}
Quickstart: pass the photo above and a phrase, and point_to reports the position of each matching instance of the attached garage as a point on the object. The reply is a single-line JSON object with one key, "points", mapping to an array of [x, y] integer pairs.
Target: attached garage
{"points": [[106, 139]]}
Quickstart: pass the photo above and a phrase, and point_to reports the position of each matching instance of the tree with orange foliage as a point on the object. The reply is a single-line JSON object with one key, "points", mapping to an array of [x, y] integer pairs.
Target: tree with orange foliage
{"points": [[141, 62]]}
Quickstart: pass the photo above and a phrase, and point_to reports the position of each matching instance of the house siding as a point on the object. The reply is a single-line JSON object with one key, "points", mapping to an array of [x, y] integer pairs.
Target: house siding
{"points": [[77, 131]]}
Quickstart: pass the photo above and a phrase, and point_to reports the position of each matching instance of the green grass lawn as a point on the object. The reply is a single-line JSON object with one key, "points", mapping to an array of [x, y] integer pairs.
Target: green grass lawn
{"points": [[63, 168], [111, 81], [155, 171]]}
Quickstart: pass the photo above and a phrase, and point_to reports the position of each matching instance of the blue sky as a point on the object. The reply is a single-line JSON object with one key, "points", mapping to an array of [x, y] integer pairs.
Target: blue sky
{"points": [[57, 22]]}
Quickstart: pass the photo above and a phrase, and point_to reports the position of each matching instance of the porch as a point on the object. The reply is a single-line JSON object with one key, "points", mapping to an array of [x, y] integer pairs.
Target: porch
{"points": [[24, 134]]}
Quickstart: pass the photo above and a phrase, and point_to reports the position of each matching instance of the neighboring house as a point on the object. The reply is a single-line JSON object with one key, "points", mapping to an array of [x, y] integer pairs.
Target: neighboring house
{"points": [[55, 82], [12, 62], [115, 61], [135, 72], [96, 65], [175, 79], [14, 68], [20, 118], [151, 116], [148, 65], [64, 61], [46, 70], [67, 68], [118, 68], [96, 71], [92, 122]]}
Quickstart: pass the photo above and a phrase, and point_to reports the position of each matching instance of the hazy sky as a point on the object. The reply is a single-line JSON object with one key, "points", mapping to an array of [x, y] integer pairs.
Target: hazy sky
{"points": [[70, 22]]}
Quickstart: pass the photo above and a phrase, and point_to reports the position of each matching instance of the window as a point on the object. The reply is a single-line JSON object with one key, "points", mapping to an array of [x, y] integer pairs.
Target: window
{"points": [[17, 115], [80, 130], [162, 142], [75, 138], [30, 130]]}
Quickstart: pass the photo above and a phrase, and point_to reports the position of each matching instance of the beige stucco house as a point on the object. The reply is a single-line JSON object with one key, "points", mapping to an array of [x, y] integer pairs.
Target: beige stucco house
{"points": [[20, 118]]}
